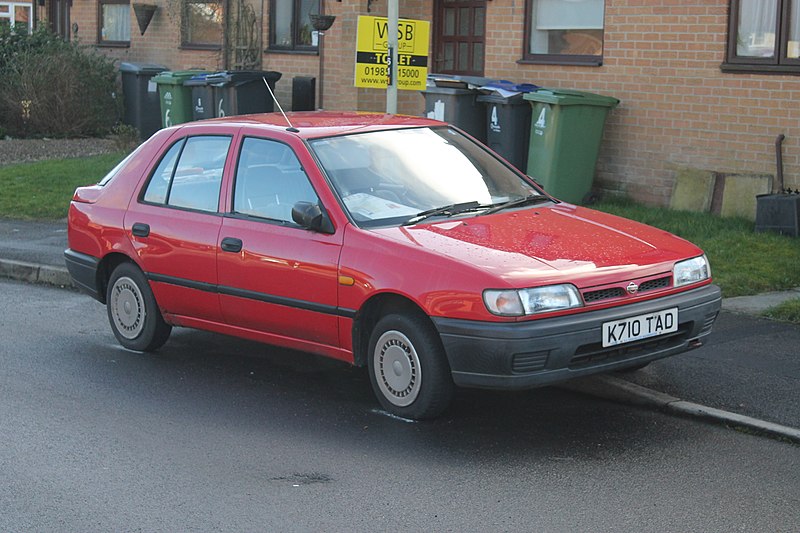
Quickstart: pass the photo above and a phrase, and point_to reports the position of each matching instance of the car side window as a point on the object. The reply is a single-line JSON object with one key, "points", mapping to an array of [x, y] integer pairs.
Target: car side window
{"points": [[190, 174], [270, 181]]}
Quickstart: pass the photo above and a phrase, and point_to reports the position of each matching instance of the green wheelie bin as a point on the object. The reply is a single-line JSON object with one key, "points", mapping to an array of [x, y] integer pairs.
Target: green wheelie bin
{"points": [[175, 98], [566, 130]]}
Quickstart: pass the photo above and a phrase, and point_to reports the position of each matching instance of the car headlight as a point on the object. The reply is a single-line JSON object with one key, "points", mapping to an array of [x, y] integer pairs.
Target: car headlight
{"points": [[691, 271], [530, 301]]}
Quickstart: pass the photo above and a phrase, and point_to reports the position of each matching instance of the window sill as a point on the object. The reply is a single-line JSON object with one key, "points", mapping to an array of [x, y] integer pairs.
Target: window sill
{"points": [[291, 52], [582, 62], [205, 47], [113, 44], [741, 68]]}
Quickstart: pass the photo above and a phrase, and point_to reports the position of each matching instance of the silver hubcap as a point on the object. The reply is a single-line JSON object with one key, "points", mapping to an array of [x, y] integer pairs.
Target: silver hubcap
{"points": [[397, 368], [127, 308]]}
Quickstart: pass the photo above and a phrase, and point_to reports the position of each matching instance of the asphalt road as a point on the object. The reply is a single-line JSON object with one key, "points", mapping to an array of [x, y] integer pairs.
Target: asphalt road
{"points": [[749, 366], [214, 433]]}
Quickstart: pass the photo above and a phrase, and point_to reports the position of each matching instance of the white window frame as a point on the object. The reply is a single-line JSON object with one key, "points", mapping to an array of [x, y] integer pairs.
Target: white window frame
{"points": [[11, 15]]}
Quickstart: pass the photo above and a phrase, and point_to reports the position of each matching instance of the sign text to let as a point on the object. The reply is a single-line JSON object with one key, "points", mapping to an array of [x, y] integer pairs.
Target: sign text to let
{"points": [[372, 53]]}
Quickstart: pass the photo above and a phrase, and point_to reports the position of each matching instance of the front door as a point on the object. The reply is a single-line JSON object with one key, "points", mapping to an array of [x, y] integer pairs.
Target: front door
{"points": [[459, 37], [276, 278]]}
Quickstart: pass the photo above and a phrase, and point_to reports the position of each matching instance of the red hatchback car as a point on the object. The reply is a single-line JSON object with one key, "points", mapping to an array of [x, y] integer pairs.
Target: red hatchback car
{"points": [[396, 243]]}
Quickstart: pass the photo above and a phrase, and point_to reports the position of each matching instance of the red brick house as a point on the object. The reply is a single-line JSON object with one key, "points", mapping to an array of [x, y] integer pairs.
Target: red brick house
{"points": [[705, 85]]}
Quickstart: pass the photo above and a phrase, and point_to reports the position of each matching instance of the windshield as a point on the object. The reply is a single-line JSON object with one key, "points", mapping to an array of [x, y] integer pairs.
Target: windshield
{"points": [[394, 176]]}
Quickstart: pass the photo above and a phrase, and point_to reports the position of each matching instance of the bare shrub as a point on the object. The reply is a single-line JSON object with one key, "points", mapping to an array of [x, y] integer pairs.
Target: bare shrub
{"points": [[55, 88]]}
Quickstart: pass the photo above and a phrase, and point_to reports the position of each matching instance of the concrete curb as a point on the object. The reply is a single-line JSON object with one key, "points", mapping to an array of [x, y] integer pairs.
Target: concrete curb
{"points": [[33, 273], [617, 389], [758, 303]]}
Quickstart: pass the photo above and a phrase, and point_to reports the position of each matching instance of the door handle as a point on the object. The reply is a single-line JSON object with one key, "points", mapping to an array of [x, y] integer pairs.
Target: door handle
{"points": [[140, 230], [229, 244]]}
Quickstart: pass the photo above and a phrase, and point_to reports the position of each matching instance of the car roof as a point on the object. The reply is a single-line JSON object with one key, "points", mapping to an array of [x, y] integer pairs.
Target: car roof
{"points": [[312, 124]]}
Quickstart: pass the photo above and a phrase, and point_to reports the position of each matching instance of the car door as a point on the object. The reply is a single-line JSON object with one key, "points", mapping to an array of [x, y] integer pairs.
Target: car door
{"points": [[174, 225], [276, 277]]}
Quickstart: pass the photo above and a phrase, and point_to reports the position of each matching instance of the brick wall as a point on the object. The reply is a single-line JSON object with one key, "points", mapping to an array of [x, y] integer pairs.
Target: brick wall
{"points": [[160, 44], [662, 60]]}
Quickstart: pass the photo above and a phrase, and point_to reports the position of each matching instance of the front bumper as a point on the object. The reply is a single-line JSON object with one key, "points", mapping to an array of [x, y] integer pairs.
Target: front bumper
{"points": [[523, 355]]}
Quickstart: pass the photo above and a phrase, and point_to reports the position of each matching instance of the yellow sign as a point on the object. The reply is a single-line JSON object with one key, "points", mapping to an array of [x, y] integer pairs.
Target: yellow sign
{"points": [[372, 53]]}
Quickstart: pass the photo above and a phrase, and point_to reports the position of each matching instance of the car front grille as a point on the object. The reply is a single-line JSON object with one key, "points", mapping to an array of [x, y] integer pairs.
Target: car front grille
{"points": [[653, 284], [604, 294], [613, 292]]}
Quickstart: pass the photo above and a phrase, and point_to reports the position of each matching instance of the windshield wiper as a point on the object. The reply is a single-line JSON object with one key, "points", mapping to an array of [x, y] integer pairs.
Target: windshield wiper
{"points": [[526, 200], [447, 210]]}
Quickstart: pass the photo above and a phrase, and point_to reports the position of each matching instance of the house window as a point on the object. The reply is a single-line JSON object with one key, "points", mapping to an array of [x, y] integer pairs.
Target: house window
{"points": [[16, 15], [764, 35], [202, 24], [564, 31], [115, 22], [290, 25]]}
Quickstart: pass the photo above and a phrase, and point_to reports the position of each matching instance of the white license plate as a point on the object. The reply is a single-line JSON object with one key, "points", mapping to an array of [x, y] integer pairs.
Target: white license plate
{"points": [[640, 327]]}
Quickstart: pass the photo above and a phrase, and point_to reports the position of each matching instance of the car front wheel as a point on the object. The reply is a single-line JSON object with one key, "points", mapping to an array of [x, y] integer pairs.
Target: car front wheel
{"points": [[132, 310], [408, 367]]}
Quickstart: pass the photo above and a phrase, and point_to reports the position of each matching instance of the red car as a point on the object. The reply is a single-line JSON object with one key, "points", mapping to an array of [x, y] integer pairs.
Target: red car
{"points": [[396, 243]]}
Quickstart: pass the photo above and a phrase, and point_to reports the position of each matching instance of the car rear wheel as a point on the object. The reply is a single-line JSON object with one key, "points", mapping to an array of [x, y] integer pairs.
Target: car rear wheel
{"points": [[132, 310], [408, 367]]}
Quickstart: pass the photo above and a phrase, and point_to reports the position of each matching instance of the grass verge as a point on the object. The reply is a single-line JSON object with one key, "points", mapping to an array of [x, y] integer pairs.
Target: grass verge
{"points": [[788, 311], [42, 190], [743, 262]]}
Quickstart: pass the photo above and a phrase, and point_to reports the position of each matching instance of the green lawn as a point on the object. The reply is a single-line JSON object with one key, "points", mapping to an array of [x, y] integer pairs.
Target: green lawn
{"points": [[42, 190], [787, 311]]}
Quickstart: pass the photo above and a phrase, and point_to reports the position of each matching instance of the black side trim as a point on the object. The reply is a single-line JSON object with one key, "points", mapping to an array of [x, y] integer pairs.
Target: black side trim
{"points": [[253, 295], [181, 282], [83, 270]]}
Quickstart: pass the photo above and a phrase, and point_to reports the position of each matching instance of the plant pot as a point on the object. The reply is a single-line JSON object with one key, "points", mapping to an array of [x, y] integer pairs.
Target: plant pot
{"points": [[778, 213], [321, 22]]}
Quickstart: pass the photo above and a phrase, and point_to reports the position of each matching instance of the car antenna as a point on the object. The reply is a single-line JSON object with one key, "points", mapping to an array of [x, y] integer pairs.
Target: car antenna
{"points": [[272, 94]]}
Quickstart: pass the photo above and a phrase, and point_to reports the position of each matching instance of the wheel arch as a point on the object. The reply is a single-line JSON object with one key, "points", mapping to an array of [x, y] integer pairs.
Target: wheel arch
{"points": [[105, 268], [370, 313]]}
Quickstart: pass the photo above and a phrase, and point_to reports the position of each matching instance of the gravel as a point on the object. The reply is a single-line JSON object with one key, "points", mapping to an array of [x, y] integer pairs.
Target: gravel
{"points": [[25, 150]]}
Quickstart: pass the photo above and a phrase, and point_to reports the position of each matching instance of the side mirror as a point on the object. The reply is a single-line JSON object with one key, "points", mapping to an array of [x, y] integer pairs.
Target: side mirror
{"points": [[311, 216]]}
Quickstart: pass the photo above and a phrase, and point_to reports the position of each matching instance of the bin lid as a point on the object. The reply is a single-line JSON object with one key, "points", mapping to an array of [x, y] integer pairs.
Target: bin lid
{"points": [[176, 77], [570, 97], [495, 98], [198, 80], [145, 68], [506, 92], [238, 77], [453, 81]]}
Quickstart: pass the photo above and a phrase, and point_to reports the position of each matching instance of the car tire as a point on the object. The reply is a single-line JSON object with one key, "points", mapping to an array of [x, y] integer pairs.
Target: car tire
{"points": [[132, 310], [408, 368]]}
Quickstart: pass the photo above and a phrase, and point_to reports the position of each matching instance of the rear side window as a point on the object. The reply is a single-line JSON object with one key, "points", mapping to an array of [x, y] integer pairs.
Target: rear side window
{"points": [[189, 175]]}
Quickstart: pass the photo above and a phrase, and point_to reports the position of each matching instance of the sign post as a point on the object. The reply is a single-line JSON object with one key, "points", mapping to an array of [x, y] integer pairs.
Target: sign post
{"points": [[391, 89]]}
